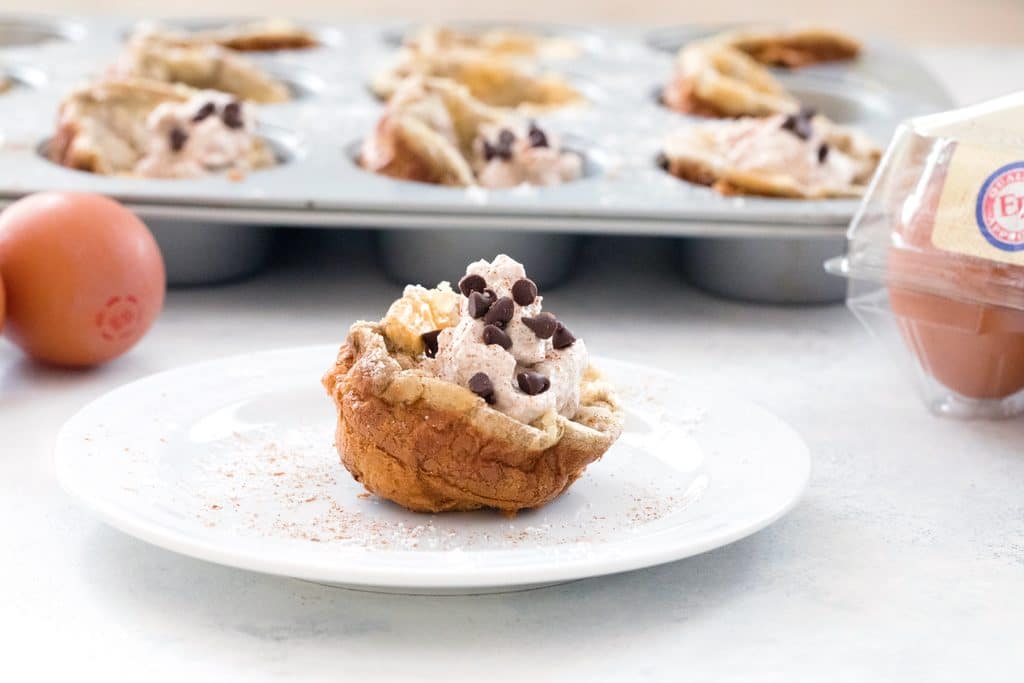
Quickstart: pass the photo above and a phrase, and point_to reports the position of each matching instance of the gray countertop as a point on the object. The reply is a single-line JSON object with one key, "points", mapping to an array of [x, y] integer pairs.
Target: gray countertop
{"points": [[905, 562]]}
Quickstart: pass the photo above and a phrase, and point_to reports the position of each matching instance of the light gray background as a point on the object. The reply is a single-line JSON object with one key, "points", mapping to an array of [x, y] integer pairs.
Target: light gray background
{"points": [[904, 563]]}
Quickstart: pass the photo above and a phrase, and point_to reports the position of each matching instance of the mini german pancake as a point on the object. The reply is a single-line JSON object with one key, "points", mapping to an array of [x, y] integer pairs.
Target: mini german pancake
{"points": [[204, 67], [435, 131], [800, 156], [476, 398], [495, 82], [151, 129], [718, 81], [498, 42], [261, 35], [793, 48]]}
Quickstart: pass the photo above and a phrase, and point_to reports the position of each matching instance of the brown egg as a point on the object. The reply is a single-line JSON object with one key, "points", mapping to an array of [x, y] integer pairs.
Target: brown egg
{"points": [[974, 348], [2, 298], [84, 277]]}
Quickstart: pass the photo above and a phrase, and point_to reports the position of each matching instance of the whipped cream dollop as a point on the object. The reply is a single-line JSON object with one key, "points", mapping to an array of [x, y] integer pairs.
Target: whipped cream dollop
{"points": [[505, 156], [794, 145], [209, 133], [504, 348]]}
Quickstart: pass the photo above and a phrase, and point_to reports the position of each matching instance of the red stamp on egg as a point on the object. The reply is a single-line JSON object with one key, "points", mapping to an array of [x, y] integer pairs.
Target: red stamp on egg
{"points": [[119, 318]]}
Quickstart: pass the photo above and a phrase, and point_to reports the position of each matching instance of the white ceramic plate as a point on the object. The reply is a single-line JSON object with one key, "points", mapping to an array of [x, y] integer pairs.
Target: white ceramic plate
{"points": [[232, 461]]}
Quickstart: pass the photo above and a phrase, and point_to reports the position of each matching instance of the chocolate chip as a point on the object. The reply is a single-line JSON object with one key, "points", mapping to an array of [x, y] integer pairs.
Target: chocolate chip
{"points": [[502, 149], [479, 304], [472, 283], [536, 136], [563, 338], [543, 325], [495, 335], [533, 383], [204, 112], [232, 115], [799, 124], [524, 291], [501, 312], [178, 139], [430, 341], [481, 385], [822, 153], [490, 151]]}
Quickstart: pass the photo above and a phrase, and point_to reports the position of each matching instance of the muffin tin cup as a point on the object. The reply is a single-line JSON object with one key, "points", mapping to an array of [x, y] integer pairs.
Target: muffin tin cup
{"points": [[197, 253], [769, 271], [302, 83], [622, 193]]}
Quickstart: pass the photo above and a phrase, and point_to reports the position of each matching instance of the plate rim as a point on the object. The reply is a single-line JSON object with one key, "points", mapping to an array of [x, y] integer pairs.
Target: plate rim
{"points": [[323, 570]]}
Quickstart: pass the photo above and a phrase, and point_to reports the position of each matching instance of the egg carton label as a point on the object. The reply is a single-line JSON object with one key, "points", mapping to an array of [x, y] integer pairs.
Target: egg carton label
{"points": [[981, 210]]}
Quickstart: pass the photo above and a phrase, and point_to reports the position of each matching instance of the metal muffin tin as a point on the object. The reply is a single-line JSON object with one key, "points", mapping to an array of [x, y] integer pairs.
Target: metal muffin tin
{"points": [[318, 182]]}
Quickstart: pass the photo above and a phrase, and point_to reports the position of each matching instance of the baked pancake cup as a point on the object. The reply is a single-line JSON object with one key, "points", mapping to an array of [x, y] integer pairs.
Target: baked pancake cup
{"points": [[417, 424]]}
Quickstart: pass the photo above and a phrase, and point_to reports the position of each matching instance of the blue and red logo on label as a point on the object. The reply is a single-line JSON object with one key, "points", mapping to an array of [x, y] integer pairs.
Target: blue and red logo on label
{"points": [[1000, 208]]}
